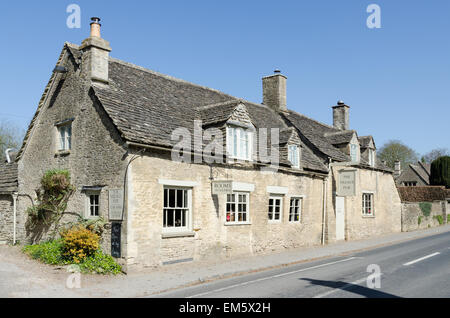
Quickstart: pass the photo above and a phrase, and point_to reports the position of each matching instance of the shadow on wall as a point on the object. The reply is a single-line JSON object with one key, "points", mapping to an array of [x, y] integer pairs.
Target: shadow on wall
{"points": [[351, 288]]}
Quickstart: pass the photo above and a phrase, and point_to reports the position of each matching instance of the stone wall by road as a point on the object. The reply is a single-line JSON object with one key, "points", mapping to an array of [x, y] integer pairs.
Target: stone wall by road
{"points": [[6, 218], [414, 219]]}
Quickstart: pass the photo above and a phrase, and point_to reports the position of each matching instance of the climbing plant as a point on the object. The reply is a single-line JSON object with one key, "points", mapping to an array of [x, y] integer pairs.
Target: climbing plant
{"points": [[52, 197]]}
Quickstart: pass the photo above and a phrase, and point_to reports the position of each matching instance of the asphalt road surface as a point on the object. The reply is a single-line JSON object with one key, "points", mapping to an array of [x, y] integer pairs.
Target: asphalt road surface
{"points": [[417, 268]]}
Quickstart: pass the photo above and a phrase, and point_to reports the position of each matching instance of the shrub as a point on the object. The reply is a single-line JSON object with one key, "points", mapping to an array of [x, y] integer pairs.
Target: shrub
{"points": [[426, 208], [440, 172], [419, 220], [48, 252], [440, 219], [100, 263], [79, 243], [448, 218]]}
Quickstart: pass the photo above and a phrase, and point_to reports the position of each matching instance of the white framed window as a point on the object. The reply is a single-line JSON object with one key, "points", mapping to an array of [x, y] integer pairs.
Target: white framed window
{"points": [[372, 157], [295, 209], [239, 143], [237, 208], [65, 137], [367, 204], [275, 208], [294, 155], [354, 152], [177, 212], [93, 204]]}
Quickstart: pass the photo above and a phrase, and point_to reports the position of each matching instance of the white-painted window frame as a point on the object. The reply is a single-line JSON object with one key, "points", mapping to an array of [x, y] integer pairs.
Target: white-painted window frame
{"points": [[65, 137], [370, 207], [299, 206], [186, 206], [236, 204], [88, 205], [294, 155], [354, 152], [372, 157], [239, 143], [271, 214]]}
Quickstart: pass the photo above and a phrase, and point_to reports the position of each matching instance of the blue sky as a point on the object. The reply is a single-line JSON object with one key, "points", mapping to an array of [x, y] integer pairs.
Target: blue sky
{"points": [[396, 79]]}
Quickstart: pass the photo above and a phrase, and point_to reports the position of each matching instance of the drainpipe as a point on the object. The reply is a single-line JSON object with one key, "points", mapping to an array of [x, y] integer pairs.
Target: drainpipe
{"points": [[14, 195], [324, 204]]}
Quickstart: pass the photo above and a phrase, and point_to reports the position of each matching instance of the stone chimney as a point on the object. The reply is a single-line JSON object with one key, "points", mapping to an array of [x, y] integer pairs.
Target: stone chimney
{"points": [[398, 169], [341, 116], [95, 54], [274, 91]]}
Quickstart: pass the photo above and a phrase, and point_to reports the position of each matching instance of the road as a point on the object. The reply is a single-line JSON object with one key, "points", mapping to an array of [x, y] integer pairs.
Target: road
{"points": [[416, 268]]}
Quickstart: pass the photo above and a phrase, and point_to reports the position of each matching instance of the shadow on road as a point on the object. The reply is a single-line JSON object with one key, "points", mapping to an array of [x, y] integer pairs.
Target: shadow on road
{"points": [[351, 288]]}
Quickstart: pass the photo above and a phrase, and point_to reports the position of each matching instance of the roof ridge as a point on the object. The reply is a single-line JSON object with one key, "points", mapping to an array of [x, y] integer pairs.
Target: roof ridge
{"points": [[141, 68]]}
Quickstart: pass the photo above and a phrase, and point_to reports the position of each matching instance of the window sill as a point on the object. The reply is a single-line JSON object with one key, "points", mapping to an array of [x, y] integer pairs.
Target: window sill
{"points": [[237, 223], [177, 234], [368, 216]]}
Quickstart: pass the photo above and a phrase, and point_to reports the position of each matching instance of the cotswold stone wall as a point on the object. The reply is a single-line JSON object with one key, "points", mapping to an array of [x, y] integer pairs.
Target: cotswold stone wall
{"points": [[413, 218], [6, 219], [97, 157], [213, 238], [387, 205]]}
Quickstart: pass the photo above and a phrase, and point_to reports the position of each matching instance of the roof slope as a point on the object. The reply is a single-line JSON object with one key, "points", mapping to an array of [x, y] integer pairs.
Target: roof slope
{"points": [[8, 178], [315, 133]]}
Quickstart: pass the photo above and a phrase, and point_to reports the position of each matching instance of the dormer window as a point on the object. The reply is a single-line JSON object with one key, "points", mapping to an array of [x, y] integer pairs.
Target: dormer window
{"points": [[354, 152], [372, 157], [239, 143], [294, 155]]}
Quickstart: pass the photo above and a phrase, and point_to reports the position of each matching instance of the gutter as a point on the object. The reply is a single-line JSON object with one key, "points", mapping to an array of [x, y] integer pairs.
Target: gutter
{"points": [[15, 196]]}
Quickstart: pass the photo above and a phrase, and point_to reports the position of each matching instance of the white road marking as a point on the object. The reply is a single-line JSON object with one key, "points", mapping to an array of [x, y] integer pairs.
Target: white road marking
{"points": [[421, 259], [270, 277], [345, 287]]}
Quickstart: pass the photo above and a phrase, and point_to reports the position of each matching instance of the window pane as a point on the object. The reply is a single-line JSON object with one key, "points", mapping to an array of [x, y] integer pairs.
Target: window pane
{"points": [[170, 218], [172, 198], [179, 198]]}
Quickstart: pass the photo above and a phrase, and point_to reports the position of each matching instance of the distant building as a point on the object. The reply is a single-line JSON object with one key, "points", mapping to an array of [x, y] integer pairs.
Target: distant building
{"points": [[414, 175]]}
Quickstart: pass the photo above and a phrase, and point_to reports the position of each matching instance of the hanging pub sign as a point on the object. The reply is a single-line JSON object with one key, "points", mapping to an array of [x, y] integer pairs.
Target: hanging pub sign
{"points": [[346, 183], [116, 230], [222, 187], [115, 204]]}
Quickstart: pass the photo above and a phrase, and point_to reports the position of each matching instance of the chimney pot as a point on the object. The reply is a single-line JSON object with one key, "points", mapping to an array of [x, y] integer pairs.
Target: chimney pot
{"points": [[95, 27]]}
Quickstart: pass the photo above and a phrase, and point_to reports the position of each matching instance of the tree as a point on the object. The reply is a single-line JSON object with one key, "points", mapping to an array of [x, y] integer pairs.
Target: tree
{"points": [[11, 136], [440, 172], [395, 150], [435, 154]]}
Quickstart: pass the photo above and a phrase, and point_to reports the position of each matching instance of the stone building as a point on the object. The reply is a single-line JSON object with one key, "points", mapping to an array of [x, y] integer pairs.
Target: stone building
{"points": [[248, 178], [414, 175]]}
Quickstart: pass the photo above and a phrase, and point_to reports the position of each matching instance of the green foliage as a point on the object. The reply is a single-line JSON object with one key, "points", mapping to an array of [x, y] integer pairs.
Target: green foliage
{"points": [[101, 264], [52, 198], [395, 150], [51, 253], [48, 252], [439, 218], [425, 207], [419, 220], [440, 172]]}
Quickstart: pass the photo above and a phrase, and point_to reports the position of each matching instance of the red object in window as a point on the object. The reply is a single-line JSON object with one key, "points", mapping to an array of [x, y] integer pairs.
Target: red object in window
{"points": [[228, 217]]}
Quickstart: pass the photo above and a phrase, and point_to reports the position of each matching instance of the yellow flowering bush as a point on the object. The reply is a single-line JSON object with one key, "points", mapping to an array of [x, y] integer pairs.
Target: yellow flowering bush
{"points": [[79, 243]]}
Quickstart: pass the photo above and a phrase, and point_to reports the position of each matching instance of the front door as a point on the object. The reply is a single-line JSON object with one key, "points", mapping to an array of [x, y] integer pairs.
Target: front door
{"points": [[340, 218]]}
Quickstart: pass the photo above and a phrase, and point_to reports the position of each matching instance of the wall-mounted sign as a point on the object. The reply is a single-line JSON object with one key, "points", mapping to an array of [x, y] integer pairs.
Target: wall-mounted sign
{"points": [[116, 205], [346, 183], [222, 187]]}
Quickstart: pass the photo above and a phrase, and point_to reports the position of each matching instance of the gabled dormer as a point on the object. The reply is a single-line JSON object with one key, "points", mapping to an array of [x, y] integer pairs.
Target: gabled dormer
{"points": [[347, 142], [290, 148], [368, 149]]}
